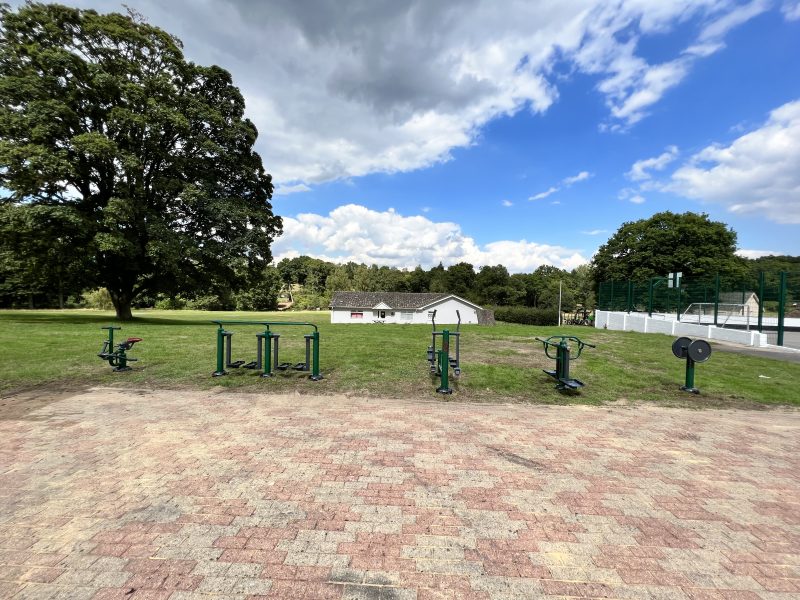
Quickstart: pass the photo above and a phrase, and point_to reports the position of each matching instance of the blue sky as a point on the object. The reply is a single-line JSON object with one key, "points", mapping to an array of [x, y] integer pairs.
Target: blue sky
{"points": [[407, 133]]}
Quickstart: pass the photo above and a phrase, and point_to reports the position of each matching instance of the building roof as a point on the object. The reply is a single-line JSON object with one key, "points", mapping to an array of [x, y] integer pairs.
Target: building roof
{"points": [[736, 297], [396, 300]]}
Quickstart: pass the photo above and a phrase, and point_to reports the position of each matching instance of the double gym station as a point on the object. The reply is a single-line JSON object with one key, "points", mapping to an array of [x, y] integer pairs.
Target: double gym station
{"points": [[267, 350]]}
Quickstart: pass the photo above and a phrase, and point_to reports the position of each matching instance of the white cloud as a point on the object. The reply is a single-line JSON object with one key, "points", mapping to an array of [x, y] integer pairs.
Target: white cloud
{"points": [[791, 10], [631, 85], [582, 176], [356, 233], [542, 195], [639, 170], [756, 174], [637, 199], [507, 203], [757, 253], [285, 190], [567, 182], [340, 90], [594, 231]]}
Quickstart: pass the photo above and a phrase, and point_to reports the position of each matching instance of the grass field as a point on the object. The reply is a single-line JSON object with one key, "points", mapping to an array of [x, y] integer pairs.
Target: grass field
{"points": [[503, 363]]}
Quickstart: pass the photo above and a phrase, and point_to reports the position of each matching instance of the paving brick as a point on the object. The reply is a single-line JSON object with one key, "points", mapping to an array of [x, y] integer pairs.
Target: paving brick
{"points": [[353, 498]]}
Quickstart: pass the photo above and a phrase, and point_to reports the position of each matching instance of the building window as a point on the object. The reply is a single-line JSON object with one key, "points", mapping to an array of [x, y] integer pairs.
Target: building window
{"points": [[356, 315], [406, 315]]}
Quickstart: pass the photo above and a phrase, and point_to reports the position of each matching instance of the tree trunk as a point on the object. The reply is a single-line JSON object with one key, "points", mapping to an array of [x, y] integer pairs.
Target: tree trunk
{"points": [[122, 304]]}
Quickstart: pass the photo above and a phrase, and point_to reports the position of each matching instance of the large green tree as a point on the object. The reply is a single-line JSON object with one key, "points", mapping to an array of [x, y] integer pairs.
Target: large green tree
{"points": [[668, 242], [101, 115]]}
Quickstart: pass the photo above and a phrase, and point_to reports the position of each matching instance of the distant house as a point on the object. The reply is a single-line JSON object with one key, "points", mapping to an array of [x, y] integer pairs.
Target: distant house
{"points": [[397, 307], [748, 298]]}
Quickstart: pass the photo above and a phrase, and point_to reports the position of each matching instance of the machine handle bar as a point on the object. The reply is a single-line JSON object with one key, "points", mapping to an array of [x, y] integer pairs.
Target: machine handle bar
{"points": [[547, 343]]}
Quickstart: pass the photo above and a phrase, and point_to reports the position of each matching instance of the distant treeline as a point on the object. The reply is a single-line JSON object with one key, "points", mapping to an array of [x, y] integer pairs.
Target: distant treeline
{"points": [[308, 283]]}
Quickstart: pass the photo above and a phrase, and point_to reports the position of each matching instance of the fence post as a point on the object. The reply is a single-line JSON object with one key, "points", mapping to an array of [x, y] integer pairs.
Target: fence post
{"points": [[781, 306], [679, 301], [716, 300], [650, 298], [611, 307], [630, 295], [761, 285]]}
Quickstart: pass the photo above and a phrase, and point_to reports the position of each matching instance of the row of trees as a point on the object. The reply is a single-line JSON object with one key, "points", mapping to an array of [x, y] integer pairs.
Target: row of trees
{"points": [[315, 280]]}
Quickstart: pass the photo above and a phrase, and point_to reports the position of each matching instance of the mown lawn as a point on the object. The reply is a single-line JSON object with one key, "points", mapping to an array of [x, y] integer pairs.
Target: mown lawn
{"points": [[502, 363]]}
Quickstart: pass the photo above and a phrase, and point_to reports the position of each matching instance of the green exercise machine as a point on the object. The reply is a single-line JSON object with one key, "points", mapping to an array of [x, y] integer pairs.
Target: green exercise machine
{"points": [[560, 345], [267, 350], [440, 360], [692, 351], [117, 356]]}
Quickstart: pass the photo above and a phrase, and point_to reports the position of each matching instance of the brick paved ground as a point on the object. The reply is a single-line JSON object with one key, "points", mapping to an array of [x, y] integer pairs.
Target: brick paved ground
{"points": [[188, 496]]}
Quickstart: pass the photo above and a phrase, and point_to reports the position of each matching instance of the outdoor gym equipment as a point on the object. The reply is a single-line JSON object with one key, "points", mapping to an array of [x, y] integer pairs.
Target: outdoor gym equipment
{"points": [[117, 357], [563, 358], [696, 351], [267, 348], [440, 359]]}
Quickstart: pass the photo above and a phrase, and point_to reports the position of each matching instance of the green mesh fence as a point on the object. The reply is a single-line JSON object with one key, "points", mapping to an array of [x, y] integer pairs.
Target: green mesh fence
{"points": [[763, 302]]}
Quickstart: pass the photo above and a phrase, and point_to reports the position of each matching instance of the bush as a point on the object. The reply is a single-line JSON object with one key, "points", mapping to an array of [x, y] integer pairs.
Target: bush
{"points": [[164, 302], [99, 299], [526, 315], [206, 302]]}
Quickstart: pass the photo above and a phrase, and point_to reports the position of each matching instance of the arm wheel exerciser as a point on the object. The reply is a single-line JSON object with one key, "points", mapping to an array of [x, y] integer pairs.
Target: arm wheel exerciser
{"points": [[117, 357], [697, 351], [563, 358]]}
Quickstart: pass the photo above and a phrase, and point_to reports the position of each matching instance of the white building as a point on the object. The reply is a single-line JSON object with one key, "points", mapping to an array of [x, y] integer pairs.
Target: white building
{"points": [[397, 307]]}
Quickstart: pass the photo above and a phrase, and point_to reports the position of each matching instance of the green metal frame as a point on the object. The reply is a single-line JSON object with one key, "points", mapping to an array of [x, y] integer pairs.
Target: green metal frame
{"points": [[117, 358], [563, 358], [266, 340]]}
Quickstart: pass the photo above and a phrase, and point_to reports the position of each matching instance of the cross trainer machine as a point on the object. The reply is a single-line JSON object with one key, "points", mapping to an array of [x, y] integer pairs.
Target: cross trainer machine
{"points": [[440, 360], [267, 348], [563, 358], [697, 351], [117, 357]]}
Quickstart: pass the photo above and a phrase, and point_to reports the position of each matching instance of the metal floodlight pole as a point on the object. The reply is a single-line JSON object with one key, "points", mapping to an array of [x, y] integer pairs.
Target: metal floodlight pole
{"points": [[781, 306], [559, 302], [761, 286]]}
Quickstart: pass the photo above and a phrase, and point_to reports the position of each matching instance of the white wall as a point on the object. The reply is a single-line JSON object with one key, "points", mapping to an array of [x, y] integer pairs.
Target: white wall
{"points": [[621, 321], [445, 314]]}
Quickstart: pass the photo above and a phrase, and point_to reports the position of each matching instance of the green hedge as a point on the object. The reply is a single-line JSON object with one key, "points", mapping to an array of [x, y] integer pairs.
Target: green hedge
{"points": [[526, 315]]}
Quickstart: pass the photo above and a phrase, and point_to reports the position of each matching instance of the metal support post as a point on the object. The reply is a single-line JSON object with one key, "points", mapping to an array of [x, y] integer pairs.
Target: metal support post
{"points": [[630, 295], [444, 363], [315, 374], [689, 387], [716, 300], [276, 341], [650, 299], [761, 286], [220, 353], [264, 338], [781, 306], [308, 337]]}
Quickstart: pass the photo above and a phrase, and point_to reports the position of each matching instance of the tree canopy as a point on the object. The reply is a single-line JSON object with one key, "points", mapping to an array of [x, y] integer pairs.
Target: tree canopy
{"points": [[668, 242], [147, 157]]}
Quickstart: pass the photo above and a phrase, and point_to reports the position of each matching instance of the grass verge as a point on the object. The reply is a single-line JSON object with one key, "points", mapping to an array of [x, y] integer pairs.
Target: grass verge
{"points": [[502, 363]]}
